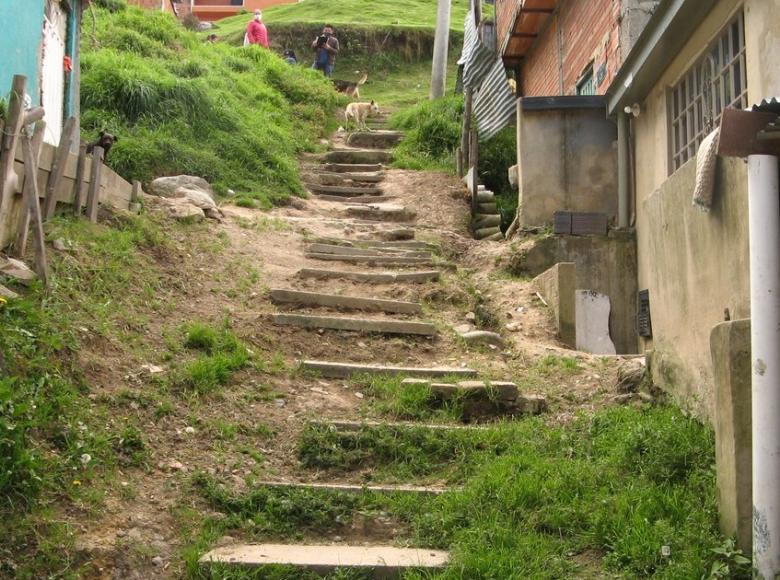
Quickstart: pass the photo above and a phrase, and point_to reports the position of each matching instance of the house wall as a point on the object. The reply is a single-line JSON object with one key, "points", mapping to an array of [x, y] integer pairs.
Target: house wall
{"points": [[694, 264], [567, 160], [20, 45]]}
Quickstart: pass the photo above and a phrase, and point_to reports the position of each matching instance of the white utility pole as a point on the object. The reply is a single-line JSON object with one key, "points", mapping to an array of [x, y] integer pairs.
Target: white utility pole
{"points": [[440, 46]]}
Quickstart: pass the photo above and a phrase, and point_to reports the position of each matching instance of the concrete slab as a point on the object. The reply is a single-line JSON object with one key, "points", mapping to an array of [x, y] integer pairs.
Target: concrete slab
{"points": [[386, 260], [356, 324], [352, 488], [375, 139], [382, 561], [344, 190], [360, 199], [359, 156], [354, 426], [361, 176], [483, 233], [481, 221], [388, 212], [485, 197], [317, 248], [402, 244], [280, 296], [371, 277], [340, 370], [592, 322], [352, 167]]}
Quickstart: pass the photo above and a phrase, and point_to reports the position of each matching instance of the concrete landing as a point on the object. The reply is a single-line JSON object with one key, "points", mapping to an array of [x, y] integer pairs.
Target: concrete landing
{"points": [[338, 370], [382, 561], [280, 296], [370, 277], [356, 324]]}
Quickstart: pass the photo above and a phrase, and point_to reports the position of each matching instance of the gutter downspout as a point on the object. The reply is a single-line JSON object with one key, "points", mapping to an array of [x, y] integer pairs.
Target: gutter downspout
{"points": [[624, 171], [764, 218]]}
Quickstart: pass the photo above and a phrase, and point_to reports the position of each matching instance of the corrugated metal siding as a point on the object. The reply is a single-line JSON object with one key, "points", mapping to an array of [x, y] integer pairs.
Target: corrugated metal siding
{"points": [[476, 58], [494, 104]]}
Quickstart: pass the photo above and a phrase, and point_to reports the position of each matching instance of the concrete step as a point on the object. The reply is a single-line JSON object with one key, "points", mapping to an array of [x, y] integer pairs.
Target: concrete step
{"points": [[361, 199], [355, 324], [497, 237], [483, 233], [361, 156], [381, 561], [488, 208], [316, 248], [384, 260], [353, 167], [485, 197], [375, 139], [344, 190], [339, 370], [354, 488], [281, 296], [363, 177], [481, 221], [382, 212], [371, 277], [402, 244], [355, 426]]}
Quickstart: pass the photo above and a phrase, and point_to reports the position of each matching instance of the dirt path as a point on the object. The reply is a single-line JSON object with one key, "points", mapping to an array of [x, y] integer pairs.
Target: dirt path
{"points": [[248, 431]]}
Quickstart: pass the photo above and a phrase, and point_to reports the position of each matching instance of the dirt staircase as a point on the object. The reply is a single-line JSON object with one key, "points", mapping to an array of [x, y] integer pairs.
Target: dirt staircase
{"points": [[348, 174]]}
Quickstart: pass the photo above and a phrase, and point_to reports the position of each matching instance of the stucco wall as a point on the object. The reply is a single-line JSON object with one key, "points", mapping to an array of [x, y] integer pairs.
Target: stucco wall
{"points": [[695, 265], [567, 161], [20, 44]]}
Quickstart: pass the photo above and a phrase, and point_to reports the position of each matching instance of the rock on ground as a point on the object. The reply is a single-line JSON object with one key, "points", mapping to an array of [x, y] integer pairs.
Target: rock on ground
{"points": [[168, 186]]}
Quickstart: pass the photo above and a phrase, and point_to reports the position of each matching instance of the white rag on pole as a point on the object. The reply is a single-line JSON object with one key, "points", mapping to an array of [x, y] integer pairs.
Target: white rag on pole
{"points": [[706, 164]]}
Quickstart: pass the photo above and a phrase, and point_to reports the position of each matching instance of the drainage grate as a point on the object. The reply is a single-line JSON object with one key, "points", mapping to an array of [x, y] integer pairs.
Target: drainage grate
{"points": [[644, 324]]}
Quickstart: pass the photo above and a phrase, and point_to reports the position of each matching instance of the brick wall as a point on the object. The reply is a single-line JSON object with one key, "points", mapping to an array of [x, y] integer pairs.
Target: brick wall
{"points": [[589, 32], [504, 11]]}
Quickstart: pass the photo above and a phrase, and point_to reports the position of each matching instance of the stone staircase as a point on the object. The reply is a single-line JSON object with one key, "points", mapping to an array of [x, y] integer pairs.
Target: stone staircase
{"points": [[353, 176]]}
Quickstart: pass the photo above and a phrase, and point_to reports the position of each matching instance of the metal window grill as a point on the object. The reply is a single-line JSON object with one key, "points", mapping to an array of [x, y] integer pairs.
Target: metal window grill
{"points": [[716, 82], [644, 323]]}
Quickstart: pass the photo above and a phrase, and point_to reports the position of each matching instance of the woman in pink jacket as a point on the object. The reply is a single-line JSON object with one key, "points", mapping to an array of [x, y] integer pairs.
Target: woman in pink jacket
{"points": [[256, 32]]}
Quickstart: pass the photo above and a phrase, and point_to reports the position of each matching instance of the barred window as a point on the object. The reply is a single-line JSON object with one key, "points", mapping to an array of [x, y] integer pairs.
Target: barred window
{"points": [[716, 82]]}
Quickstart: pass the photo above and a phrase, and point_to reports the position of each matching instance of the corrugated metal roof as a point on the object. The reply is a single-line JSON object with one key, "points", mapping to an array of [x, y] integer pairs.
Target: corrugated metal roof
{"points": [[494, 104], [770, 105]]}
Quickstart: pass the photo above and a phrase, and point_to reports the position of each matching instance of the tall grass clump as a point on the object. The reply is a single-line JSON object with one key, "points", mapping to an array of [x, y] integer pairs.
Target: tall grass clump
{"points": [[237, 117]]}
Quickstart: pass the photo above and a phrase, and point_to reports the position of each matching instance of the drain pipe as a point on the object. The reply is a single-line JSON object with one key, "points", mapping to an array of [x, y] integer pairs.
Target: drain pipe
{"points": [[764, 218], [624, 171]]}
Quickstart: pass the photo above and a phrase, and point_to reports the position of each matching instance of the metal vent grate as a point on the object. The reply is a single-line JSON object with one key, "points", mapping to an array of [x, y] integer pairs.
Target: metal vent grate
{"points": [[644, 324]]}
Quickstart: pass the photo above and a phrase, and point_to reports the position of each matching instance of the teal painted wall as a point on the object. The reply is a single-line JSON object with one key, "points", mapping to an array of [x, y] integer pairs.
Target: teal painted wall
{"points": [[20, 44]]}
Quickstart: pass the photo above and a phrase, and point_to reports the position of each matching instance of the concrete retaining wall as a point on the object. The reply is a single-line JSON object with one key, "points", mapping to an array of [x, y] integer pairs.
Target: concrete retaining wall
{"points": [[557, 286]]}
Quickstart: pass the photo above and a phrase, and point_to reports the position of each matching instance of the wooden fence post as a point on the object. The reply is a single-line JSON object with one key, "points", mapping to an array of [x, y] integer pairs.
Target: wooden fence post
{"points": [[474, 158], [464, 140], [33, 205], [8, 143], [58, 168], [78, 190], [20, 245], [94, 185]]}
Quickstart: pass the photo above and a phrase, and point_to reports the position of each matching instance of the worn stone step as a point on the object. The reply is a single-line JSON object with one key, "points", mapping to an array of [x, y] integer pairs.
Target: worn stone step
{"points": [[353, 167], [348, 426], [375, 139], [363, 177], [339, 370], [360, 199], [382, 212], [353, 488], [371, 277], [355, 324], [481, 221], [485, 197], [497, 237], [401, 244], [361, 156], [483, 233], [375, 251], [384, 260], [488, 208], [344, 190], [381, 561], [281, 296]]}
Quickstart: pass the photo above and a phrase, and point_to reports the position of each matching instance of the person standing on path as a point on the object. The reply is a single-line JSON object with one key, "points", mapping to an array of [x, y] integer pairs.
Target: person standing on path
{"points": [[326, 47], [256, 32]]}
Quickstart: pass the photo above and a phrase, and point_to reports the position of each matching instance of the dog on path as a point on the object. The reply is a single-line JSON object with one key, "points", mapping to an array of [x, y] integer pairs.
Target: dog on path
{"points": [[359, 112], [351, 89]]}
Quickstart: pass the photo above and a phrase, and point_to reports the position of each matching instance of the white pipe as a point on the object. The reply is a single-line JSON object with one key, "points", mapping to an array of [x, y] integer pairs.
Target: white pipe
{"points": [[440, 46], [764, 219]]}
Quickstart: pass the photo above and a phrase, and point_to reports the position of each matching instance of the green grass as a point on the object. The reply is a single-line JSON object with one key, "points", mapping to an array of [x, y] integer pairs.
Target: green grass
{"points": [[389, 398], [602, 495], [235, 116]]}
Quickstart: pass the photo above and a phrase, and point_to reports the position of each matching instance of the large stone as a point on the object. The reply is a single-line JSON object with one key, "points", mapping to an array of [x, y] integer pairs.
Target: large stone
{"points": [[167, 186], [631, 376], [731, 362], [382, 212], [183, 210], [338, 370], [380, 561], [358, 156], [356, 324], [7, 293], [280, 296], [476, 337], [371, 277], [352, 167], [16, 270], [202, 199], [592, 316], [375, 139]]}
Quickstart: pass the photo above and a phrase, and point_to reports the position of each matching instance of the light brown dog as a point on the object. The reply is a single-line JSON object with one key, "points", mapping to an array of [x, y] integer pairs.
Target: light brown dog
{"points": [[359, 112]]}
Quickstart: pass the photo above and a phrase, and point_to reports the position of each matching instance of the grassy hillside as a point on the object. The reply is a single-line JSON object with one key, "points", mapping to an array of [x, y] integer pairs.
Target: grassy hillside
{"points": [[235, 116]]}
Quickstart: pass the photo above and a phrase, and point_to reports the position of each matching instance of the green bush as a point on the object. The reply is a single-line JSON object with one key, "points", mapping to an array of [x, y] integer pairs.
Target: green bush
{"points": [[237, 117]]}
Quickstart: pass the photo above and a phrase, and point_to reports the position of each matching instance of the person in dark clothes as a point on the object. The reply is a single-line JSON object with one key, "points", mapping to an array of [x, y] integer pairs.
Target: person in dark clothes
{"points": [[326, 47]]}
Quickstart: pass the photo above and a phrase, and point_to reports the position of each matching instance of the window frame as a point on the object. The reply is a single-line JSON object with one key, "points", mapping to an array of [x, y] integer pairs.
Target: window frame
{"points": [[715, 82]]}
